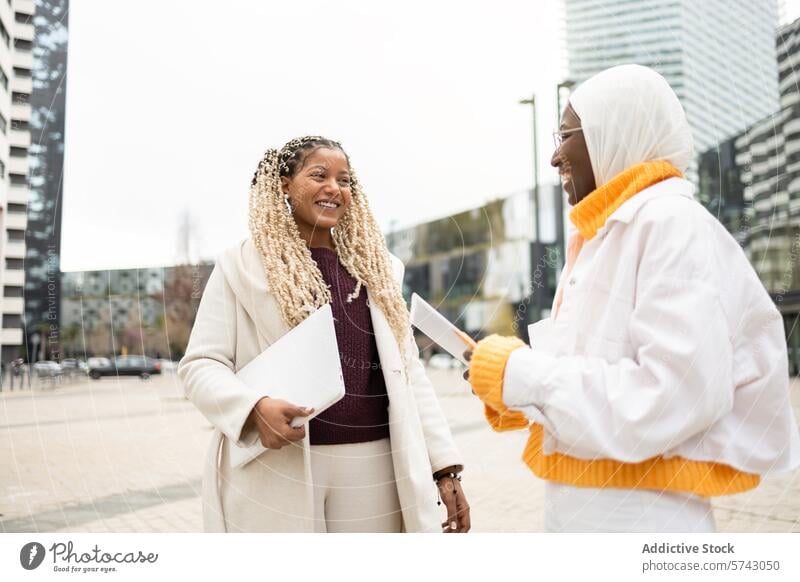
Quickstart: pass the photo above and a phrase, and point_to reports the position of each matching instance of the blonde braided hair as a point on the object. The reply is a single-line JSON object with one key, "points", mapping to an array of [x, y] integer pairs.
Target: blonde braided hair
{"points": [[292, 273]]}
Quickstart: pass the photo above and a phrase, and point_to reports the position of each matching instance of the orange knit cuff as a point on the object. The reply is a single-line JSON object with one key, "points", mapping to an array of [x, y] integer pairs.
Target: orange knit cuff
{"points": [[486, 371], [503, 421]]}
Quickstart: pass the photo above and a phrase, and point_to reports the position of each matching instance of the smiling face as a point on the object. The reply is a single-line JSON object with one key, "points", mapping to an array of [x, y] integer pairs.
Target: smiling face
{"points": [[572, 159], [319, 191]]}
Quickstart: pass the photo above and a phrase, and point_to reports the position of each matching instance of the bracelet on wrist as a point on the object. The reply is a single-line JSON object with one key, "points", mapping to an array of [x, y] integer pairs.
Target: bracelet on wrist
{"points": [[448, 475]]}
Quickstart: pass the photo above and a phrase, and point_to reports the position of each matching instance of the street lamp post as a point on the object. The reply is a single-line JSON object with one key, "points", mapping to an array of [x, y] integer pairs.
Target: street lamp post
{"points": [[536, 208], [563, 87], [532, 103], [35, 337], [34, 356]]}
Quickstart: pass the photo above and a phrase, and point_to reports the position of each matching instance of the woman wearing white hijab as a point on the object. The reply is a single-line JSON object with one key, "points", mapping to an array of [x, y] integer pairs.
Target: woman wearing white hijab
{"points": [[661, 377]]}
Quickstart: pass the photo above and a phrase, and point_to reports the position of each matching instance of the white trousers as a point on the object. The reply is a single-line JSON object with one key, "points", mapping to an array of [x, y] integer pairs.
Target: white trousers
{"points": [[354, 488], [585, 509]]}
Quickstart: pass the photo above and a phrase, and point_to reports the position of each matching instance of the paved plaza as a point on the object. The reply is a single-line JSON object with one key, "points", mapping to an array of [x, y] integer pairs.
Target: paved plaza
{"points": [[125, 455]]}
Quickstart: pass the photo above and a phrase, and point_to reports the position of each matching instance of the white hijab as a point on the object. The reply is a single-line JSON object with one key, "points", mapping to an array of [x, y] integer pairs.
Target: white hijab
{"points": [[629, 115]]}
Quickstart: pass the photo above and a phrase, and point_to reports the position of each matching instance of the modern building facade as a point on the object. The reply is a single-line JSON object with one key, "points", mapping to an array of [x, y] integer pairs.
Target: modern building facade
{"points": [[483, 268], [752, 183], [718, 55], [146, 311], [16, 83], [46, 164]]}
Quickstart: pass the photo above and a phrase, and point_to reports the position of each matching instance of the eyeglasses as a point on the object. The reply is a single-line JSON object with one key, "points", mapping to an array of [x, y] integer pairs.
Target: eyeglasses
{"points": [[558, 136]]}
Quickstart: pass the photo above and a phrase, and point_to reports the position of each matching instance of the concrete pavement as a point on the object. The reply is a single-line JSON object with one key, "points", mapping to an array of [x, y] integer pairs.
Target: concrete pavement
{"points": [[125, 455]]}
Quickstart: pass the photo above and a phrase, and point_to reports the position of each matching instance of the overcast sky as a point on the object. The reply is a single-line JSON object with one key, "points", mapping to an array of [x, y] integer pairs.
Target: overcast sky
{"points": [[170, 105]]}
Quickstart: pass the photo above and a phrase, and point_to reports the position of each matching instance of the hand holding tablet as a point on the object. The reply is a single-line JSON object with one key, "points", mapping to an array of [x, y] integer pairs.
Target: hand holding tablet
{"points": [[434, 325]]}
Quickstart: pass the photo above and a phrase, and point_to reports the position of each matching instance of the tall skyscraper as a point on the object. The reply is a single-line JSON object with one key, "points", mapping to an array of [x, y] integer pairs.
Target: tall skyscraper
{"points": [[46, 160], [752, 183], [718, 55], [16, 83]]}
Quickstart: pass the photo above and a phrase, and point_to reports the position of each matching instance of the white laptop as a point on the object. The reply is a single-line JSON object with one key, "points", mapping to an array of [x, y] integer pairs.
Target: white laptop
{"points": [[303, 367]]}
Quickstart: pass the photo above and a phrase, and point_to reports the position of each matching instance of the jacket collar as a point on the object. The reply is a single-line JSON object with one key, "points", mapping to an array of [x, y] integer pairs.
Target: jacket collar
{"points": [[244, 274]]}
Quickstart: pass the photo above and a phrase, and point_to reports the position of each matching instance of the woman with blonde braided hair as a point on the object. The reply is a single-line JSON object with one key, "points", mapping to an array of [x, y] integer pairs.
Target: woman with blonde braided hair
{"points": [[373, 461]]}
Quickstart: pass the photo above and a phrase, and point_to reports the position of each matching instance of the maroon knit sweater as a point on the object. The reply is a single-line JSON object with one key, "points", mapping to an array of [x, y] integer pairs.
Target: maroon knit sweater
{"points": [[362, 415]]}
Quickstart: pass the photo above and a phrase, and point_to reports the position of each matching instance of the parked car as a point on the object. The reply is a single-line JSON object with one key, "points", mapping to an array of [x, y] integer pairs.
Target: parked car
{"points": [[137, 366], [141, 366], [47, 369], [100, 367], [93, 363]]}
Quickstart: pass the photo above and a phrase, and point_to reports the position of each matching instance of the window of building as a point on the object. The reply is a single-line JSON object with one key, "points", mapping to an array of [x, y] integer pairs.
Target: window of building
{"points": [[19, 125], [14, 208], [22, 45], [19, 98], [3, 123], [15, 234], [22, 72], [12, 291], [12, 321], [3, 79], [15, 264], [418, 280], [22, 18], [18, 179], [18, 152], [2, 169]]}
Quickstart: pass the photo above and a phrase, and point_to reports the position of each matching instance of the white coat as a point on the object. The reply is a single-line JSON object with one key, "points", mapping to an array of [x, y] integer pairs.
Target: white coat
{"points": [[238, 318], [665, 343]]}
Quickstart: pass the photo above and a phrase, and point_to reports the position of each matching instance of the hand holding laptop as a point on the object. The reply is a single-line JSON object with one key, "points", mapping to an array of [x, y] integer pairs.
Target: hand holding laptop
{"points": [[294, 387], [272, 418]]}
